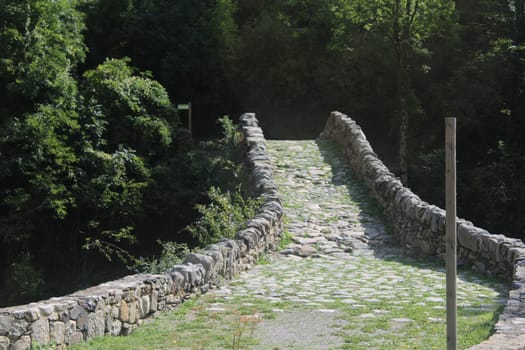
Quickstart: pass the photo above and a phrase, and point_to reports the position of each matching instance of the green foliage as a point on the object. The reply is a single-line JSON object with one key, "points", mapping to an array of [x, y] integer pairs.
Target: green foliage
{"points": [[138, 110], [105, 245], [285, 239], [231, 138], [229, 130], [76, 172], [422, 18], [172, 254], [89, 146], [227, 210], [45, 145], [40, 44], [223, 217]]}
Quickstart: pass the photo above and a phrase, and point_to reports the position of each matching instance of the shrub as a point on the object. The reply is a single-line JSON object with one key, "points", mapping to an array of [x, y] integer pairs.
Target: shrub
{"points": [[225, 215], [172, 254]]}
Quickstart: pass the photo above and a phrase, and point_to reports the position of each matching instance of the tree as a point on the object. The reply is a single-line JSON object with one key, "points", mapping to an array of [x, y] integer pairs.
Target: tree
{"points": [[77, 173], [186, 44], [137, 110], [40, 45], [406, 24]]}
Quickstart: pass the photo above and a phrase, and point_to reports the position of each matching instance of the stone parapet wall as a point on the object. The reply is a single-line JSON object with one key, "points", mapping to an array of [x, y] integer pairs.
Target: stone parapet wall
{"points": [[420, 227], [116, 307]]}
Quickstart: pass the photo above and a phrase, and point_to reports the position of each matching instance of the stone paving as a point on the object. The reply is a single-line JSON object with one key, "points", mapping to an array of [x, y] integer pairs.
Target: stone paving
{"points": [[342, 282]]}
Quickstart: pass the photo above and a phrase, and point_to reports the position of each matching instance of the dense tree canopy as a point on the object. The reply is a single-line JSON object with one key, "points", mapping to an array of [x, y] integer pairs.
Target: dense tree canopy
{"points": [[94, 154]]}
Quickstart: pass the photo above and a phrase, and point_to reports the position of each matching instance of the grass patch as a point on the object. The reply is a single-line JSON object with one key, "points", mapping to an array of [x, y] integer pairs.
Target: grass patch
{"points": [[285, 239], [153, 335], [263, 259], [420, 323]]}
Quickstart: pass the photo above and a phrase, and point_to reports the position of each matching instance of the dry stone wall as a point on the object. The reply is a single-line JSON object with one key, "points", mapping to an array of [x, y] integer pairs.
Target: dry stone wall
{"points": [[420, 226], [116, 307]]}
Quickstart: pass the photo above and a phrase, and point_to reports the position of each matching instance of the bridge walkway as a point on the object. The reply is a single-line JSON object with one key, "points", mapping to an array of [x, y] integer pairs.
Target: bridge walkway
{"points": [[339, 283]]}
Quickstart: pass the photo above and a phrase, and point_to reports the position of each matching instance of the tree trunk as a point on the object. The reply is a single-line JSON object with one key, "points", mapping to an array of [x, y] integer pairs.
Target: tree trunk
{"points": [[403, 136], [520, 21]]}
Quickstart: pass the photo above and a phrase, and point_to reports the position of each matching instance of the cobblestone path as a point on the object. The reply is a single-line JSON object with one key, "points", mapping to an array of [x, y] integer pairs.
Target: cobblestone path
{"points": [[341, 282]]}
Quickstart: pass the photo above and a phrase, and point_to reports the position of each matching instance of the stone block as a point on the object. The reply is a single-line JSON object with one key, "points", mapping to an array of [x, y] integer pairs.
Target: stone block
{"points": [[70, 328], [154, 300], [126, 329], [61, 307], [170, 299], [249, 237], [101, 304], [57, 332], [468, 237], [116, 327], [193, 275], [124, 311], [89, 304], [132, 312], [178, 281], [24, 343], [75, 338], [479, 266], [63, 316], [96, 324], [434, 223], [76, 312], [519, 276], [516, 254], [46, 310], [426, 247], [115, 295], [40, 331], [205, 260], [4, 343], [31, 315], [83, 322], [108, 322], [18, 328], [144, 306], [5, 324], [115, 311]]}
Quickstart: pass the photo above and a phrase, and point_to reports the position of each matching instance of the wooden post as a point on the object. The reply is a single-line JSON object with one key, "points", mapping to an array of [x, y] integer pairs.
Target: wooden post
{"points": [[189, 117], [451, 234], [186, 107]]}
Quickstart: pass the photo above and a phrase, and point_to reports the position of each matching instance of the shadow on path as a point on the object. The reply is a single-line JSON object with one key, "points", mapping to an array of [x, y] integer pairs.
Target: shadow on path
{"points": [[378, 235]]}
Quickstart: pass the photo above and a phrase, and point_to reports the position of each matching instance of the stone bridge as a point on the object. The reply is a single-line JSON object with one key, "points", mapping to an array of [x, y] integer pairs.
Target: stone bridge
{"points": [[343, 256]]}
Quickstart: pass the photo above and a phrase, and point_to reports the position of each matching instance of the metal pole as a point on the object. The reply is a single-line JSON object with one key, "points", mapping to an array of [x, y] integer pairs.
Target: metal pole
{"points": [[451, 234]]}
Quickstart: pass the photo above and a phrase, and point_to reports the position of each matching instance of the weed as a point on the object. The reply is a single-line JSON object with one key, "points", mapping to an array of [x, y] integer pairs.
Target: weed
{"points": [[246, 323], [285, 239], [263, 259]]}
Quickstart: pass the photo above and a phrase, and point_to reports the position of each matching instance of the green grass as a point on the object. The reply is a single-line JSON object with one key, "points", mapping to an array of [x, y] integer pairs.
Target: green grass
{"points": [[191, 326], [156, 334], [263, 259], [427, 327], [285, 239]]}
